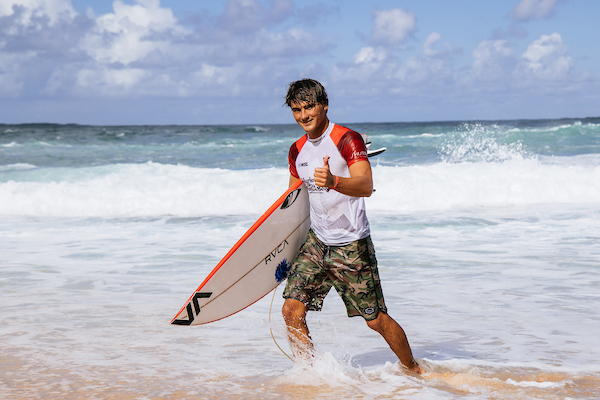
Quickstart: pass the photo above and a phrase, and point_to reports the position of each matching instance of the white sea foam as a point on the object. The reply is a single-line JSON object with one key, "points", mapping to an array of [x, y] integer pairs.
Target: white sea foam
{"points": [[544, 385], [445, 186], [422, 135], [259, 128], [133, 190], [16, 167]]}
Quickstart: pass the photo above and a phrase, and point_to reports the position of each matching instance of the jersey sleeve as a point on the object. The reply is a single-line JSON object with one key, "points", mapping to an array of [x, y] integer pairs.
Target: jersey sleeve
{"points": [[352, 147], [292, 156], [292, 160]]}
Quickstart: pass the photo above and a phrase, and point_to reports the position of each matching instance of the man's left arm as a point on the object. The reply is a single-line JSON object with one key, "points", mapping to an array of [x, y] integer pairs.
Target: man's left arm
{"points": [[360, 183]]}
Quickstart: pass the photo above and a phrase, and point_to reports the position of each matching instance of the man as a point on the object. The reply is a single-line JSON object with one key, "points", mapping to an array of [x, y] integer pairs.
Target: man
{"points": [[332, 161]]}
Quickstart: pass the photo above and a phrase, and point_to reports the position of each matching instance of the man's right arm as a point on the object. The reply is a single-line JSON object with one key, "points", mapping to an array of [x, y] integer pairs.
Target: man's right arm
{"points": [[293, 180]]}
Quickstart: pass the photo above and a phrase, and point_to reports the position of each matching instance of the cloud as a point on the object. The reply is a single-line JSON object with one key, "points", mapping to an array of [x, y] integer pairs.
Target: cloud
{"points": [[142, 49], [316, 14], [432, 68], [379, 70], [11, 77], [31, 10], [111, 81], [131, 33], [428, 49], [47, 29], [432, 41], [370, 55], [392, 27], [37, 37], [244, 16], [546, 58], [534, 9], [493, 61], [141, 54], [544, 64]]}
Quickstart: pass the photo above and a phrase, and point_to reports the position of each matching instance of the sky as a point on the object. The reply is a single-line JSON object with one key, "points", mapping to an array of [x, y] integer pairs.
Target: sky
{"points": [[198, 62]]}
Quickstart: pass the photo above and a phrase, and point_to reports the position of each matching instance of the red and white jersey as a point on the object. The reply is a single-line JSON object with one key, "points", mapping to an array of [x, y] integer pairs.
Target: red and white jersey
{"points": [[336, 218]]}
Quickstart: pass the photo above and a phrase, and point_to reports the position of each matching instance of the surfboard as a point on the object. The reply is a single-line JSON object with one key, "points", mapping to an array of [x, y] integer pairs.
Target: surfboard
{"points": [[255, 265], [370, 152], [258, 262]]}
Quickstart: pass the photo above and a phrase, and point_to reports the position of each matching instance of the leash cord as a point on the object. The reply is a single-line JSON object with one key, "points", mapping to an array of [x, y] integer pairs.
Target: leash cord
{"points": [[271, 329]]}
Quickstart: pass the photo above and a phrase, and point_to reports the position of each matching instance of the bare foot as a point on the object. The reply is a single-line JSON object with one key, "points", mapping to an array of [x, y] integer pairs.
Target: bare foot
{"points": [[418, 369]]}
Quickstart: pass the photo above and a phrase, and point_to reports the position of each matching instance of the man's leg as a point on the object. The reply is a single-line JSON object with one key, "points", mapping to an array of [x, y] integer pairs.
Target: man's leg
{"points": [[294, 315], [396, 338]]}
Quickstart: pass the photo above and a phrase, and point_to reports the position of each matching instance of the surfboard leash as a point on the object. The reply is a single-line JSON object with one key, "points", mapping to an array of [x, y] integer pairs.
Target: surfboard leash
{"points": [[271, 329]]}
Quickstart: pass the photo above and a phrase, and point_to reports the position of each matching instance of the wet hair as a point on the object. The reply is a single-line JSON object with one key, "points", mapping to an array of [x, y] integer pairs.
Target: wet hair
{"points": [[306, 91]]}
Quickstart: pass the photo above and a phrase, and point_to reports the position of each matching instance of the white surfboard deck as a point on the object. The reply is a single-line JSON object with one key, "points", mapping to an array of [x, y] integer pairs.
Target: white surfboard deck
{"points": [[248, 271], [258, 262]]}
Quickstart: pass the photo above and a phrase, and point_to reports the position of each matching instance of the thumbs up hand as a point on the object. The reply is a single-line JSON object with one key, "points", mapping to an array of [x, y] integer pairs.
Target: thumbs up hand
{"points": [[323, 176]]}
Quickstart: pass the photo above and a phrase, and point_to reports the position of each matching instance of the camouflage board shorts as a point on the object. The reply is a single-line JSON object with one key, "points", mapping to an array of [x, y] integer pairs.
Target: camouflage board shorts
{"points": [[351, 269]]}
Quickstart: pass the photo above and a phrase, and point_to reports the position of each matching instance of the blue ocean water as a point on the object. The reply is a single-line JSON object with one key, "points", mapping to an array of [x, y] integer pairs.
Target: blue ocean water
{"points": [[487, 235]]}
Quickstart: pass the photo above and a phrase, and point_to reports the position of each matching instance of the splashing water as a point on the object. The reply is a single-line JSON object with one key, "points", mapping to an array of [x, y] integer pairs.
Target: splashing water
{"points": [[481, 143]]}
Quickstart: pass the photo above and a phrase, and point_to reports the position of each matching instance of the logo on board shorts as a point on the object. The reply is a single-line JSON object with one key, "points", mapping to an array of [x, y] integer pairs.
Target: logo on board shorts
{"points": [[282, 270], [369, 310]]}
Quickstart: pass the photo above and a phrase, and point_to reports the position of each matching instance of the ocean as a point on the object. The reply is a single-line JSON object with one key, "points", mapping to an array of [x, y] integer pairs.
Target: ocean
{"points": [[487, 236]]}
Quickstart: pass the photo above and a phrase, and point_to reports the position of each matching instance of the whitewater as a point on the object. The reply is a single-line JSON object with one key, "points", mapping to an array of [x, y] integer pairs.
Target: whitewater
{"points": [[487, 236]]}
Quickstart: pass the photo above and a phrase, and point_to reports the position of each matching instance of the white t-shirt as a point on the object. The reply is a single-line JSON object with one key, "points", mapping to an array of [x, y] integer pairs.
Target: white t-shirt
{"points": [[336, 218]]}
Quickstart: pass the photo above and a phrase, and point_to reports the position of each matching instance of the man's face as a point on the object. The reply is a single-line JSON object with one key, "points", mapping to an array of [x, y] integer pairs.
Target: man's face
{"points": [[312, 117]]}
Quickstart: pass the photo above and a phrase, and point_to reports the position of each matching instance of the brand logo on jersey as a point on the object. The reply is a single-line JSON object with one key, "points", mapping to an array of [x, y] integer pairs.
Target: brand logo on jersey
{"points": [[313, 188], [304, 164]]}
